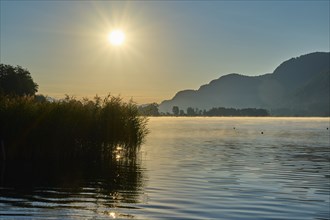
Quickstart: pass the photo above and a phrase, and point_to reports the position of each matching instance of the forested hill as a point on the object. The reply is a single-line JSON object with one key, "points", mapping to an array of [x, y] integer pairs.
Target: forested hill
{"points": [[297, 87]]}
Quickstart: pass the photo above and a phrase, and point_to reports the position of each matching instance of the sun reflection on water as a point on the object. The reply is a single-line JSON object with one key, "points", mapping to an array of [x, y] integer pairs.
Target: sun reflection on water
{"points": [[112, 215], [118, 153]]}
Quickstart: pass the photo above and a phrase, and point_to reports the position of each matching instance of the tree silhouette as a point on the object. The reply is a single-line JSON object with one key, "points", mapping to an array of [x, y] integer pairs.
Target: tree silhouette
{"points": [[221, 111], [175, 110], [16, 81], [191, 111], [149, 110], [181, 112]]}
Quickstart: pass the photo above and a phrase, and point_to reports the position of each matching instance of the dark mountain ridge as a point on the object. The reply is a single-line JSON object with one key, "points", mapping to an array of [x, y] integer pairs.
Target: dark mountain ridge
{"points": [[298, 86]]}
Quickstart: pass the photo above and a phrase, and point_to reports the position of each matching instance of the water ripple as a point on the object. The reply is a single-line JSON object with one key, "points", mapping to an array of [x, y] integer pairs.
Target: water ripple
{"points": [[196, 168]]}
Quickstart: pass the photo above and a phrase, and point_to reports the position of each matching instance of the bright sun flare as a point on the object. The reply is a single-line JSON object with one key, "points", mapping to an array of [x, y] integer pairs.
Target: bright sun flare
{"points": [[116, 37]]}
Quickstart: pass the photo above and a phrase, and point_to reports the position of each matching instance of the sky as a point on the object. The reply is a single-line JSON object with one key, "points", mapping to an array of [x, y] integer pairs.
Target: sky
{"points": [[169, 45]]}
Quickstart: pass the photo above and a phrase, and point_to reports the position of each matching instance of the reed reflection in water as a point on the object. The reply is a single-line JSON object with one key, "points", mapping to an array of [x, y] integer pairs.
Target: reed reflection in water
{"points": [[74, 190]]}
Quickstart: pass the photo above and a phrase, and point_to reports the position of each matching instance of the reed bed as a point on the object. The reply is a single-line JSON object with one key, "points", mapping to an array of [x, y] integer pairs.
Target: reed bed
{"points": [[69, 128]]}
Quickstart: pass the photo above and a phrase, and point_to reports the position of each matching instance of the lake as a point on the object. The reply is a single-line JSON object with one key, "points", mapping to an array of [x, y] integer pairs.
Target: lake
{"points": [[188, 168]]}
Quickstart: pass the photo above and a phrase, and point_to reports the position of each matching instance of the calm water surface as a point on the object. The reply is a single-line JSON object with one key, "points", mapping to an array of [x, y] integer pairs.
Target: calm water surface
{"points": [[189, 168]]}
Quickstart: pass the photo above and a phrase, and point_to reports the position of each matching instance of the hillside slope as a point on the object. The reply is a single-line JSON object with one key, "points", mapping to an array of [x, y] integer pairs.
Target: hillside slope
{"points": [[298, 86]]}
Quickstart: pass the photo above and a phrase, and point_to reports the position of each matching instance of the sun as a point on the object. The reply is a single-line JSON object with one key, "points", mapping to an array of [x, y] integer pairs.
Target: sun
{"points": [[116, 37]]}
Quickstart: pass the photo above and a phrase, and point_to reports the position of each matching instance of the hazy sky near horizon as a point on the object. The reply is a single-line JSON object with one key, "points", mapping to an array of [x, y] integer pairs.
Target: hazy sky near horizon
{"points": [[169, 45]]}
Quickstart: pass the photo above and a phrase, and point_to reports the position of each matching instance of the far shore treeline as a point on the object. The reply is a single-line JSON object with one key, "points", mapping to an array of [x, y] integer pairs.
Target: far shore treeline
{"points": [[35, 127], [152, 110]]}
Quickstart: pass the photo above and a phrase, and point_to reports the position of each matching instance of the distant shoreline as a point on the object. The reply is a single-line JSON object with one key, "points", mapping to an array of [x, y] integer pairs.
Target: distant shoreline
{"points": [[201, 116]]}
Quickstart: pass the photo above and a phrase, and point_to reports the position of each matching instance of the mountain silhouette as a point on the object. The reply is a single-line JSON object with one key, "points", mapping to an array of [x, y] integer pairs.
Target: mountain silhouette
{"points": [[297, 87]]}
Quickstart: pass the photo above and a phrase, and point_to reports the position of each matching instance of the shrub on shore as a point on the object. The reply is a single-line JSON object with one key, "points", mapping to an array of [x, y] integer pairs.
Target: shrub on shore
{"points": [[69, 128]]}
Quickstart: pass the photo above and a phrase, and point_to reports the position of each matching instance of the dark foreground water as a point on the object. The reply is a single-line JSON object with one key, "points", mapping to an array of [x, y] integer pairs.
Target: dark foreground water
{"points": [[189, 168]]}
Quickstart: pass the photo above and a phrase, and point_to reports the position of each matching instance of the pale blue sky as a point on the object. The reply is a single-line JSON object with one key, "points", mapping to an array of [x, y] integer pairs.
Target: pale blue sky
{"points": [[169, 45]]}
